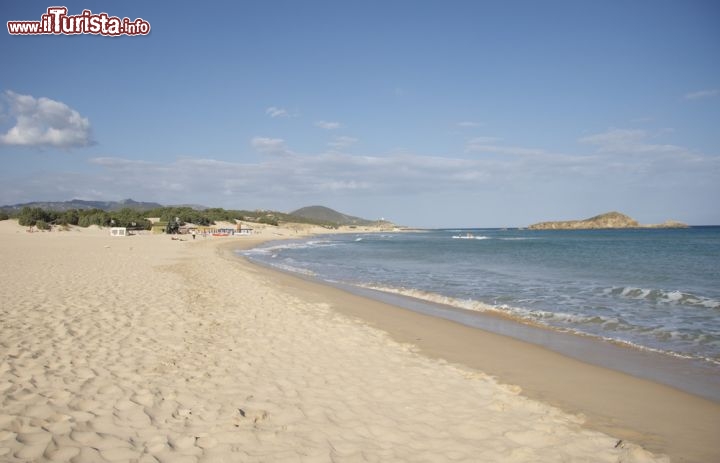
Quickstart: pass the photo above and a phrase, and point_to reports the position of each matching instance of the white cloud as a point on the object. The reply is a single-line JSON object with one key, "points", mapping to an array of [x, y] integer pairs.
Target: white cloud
{"points": [[335, 185], [615, 137], [642, 120], [487, 145], [342, 143], [629, 141], [515, 150], [469, 124], [273, 111], [116, 162], [274, 146], [327, 125], [45, 122], [483, 140], [702, 94]]}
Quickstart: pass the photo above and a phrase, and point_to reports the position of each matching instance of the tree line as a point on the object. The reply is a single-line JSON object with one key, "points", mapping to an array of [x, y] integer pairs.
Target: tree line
{"points": [[132, 218]]}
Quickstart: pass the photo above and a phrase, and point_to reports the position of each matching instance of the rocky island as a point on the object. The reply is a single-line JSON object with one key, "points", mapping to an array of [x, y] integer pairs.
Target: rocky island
{"points": [[603, 221]]}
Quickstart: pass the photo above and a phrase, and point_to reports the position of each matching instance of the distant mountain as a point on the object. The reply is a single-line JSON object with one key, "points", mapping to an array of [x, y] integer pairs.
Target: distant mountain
{"points": [[324, 214], [61, 206], [602, 221]]}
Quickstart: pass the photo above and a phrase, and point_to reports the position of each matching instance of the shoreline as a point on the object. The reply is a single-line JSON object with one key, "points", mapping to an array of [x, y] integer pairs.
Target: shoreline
{"points": [[659, 417], [153, 349], [695, 376], [656, 366]]}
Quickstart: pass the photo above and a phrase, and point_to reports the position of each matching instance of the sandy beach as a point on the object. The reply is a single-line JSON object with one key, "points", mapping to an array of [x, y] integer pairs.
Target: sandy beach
{"points": [[148, 349]]}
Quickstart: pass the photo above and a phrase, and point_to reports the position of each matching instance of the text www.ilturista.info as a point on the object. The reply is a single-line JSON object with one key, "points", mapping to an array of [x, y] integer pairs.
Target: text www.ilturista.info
{"points": [[57, 22]]}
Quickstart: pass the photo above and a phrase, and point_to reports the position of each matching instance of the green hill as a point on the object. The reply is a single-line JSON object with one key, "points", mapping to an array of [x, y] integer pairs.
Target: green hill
{"points": [[322, 214]]}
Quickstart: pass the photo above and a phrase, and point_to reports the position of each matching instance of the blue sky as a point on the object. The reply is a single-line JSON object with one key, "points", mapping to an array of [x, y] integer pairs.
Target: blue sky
{"points": [[428, 113]]}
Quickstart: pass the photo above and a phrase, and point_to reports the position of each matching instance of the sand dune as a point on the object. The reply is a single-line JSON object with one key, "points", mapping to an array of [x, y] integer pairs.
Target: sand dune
{"points": [[147, 349]]}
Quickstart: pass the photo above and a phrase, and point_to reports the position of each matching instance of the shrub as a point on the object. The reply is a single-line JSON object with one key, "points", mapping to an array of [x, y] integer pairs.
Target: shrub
{"points": [[4, 216], [69, 217], [30, 215], [94, 217], [42, 225], [268, 220]]}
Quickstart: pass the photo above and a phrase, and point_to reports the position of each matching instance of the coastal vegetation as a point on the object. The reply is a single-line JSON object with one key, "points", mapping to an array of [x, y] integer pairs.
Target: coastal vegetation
{"points": [[138, 217], [43, 218]]}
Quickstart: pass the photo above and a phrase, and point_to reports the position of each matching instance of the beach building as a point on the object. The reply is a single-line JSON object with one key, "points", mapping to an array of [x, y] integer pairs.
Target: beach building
{"points": [[243, 230], [118, 231], [214, 231], [158, 227], [188, 228]]}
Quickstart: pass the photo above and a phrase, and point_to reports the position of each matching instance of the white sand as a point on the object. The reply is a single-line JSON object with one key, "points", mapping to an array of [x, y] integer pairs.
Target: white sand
{"points": [[152, 350]]}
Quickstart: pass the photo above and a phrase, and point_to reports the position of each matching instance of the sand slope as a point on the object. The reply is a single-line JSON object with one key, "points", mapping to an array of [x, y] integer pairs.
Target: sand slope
{"points": [[152, 350]]}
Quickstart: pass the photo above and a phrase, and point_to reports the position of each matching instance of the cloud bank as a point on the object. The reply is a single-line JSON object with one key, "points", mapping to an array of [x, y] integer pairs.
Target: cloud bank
{"points": [[617, 168], [625, 156]]}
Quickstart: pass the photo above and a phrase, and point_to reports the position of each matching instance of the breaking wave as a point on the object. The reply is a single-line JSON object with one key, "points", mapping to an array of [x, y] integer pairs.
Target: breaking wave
{"points": [[612, 329], [663, 297]]}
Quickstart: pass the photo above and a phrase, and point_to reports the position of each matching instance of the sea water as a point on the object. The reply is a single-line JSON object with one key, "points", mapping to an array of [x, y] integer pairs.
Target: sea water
{"points": [[648, 289]]}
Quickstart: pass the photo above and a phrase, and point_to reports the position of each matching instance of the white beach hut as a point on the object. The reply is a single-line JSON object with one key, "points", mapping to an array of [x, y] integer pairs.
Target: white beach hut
{"points": [[118, 231]]}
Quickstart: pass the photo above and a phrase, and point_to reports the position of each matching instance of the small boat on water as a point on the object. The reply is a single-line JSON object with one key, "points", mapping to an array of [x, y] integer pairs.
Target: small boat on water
{"points": [[470, 236], [467, 236]]}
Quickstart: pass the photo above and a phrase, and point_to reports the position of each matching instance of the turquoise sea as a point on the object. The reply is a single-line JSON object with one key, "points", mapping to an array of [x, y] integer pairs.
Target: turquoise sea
{"points": [[647, 289]]}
